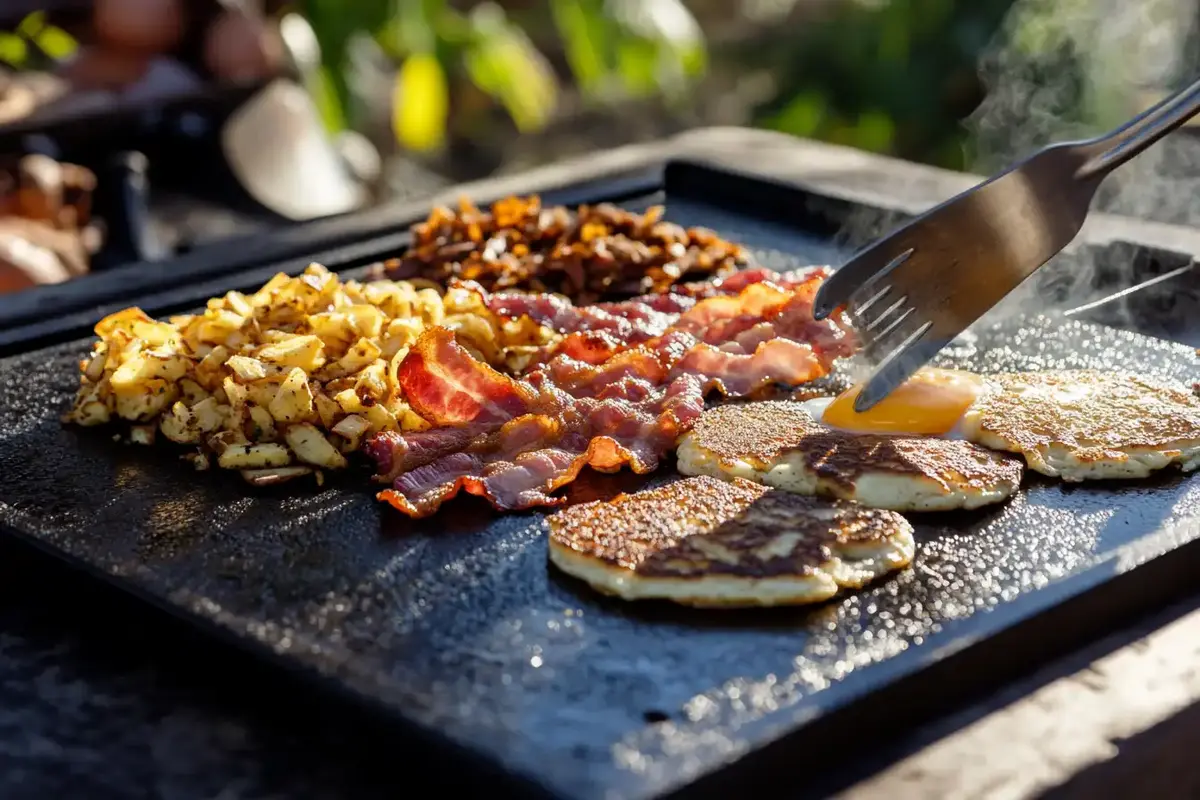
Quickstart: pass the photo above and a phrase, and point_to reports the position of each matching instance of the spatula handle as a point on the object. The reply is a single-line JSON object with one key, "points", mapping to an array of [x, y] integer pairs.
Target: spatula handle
{"points": [[1142, 131]]}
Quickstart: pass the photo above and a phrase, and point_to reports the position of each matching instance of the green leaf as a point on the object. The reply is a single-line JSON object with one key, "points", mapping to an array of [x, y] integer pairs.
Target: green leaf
{"points": [[504, 63], [56, 43], [420, 103], [329, 104], [803, 116], [335, 23], [874, 131], [13, 50], [582, 26], [32, 25], [638, 65], [694, 59]]}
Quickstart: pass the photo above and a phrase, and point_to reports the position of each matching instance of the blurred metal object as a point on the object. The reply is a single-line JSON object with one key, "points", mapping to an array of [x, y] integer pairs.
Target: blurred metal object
{"points": [[914, 291], [131, 238], [277, 147]]}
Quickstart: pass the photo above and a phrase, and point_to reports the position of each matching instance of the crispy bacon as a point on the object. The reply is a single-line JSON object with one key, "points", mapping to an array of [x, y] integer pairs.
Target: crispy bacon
{"points": [[514, 441], [717, 312]]}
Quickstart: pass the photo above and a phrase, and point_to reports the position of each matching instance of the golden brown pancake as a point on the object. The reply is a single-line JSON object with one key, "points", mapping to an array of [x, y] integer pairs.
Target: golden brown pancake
{"points": [[779, 444], [1086, 424], [707, 542]]}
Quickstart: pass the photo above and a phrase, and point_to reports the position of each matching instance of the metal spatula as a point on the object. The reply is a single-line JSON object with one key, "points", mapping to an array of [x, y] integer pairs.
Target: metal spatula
{"points": [[914, 291]]}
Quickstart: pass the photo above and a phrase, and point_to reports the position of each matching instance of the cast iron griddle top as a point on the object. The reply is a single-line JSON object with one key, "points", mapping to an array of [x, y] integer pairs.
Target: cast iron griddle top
{"points": [[458, 624]]}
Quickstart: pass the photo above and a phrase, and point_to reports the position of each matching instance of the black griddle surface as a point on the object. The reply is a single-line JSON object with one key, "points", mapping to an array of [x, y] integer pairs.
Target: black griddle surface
{"points": [[457, 624]]}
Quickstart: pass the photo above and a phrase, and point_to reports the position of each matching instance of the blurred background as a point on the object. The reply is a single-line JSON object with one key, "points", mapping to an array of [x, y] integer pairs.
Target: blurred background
{"points": [[397, 98]]}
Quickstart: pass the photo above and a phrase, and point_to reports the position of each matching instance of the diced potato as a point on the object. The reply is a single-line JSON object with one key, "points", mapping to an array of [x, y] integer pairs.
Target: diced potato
{"points": [[155, 396], [302, 352], [180, 425], [220, 442], [90, 408], [429, 307], [211, 364], [246, 369], [210, 415], [367, 320], [235, 393], [381, 419], [311, 447], [333, 327], [191, 392], [94, 369], [254, 456], [351, 428], [274, 475], [349, 401], [198, 460], [372, 381], [259, 381], [393, 371], [121, 320], [363, 353], [220, 327], [409, 419], [262, 394], [155, 334], [142, 434], [294, 400], [238, 303], [402, 332], [266, 295], [327, 409]]}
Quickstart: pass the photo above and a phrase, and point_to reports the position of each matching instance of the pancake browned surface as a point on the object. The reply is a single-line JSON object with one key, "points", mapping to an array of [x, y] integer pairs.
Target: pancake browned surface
{"points": [[778, 443], [1087, 424], [707, 542]]}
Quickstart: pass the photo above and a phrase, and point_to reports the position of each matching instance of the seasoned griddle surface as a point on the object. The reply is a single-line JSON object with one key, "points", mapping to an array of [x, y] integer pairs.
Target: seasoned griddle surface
{"points": [[458, 623]]}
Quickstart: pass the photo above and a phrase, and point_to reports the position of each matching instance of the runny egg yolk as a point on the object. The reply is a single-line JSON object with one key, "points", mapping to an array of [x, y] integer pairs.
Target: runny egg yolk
{"points": [[930, 403]]}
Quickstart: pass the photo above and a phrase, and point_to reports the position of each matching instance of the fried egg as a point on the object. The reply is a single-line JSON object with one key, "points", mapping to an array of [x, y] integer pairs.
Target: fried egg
{"points": [[707, 542], [907, 453], [1082, 425], [931, 403], [1075, 425]]}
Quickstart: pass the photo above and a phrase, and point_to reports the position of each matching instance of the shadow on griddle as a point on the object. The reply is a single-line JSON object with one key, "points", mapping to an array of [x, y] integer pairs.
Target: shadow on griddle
{"points": [[663, 612], [464, 515]]}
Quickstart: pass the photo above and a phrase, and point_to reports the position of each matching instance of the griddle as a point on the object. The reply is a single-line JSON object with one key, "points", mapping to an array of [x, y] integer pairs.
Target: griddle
{"points": [[456, 629]]}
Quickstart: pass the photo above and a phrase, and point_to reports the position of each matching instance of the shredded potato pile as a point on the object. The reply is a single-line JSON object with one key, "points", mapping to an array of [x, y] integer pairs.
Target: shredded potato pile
{"points": [[286, 381]]}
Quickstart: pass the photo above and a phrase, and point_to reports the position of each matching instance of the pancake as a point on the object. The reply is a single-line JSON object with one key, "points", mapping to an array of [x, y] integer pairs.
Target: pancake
{"points": [[780, 444], [712, 543], [1082, 425]]}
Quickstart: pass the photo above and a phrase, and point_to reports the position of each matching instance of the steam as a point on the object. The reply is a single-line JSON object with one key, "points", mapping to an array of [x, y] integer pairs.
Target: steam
{"points": [[1069, 69]]}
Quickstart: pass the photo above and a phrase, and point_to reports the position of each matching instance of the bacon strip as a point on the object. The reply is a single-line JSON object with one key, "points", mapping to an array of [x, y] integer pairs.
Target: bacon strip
{"points": [[715, 311], [514, 441]]}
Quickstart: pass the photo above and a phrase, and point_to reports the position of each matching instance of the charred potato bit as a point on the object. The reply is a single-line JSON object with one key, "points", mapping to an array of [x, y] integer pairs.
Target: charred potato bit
{"points": [[598, 251], [284, 382]]}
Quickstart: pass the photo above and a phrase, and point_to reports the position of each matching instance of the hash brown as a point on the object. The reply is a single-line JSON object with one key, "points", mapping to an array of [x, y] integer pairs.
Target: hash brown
{"points": [[1082, 425], [779, 444], [706, 542]]}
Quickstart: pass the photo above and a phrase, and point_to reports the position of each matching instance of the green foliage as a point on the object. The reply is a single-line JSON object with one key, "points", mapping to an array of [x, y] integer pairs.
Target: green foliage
{"points": [[35, 43], [436, 47], [895, 77], [631, 48]]}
